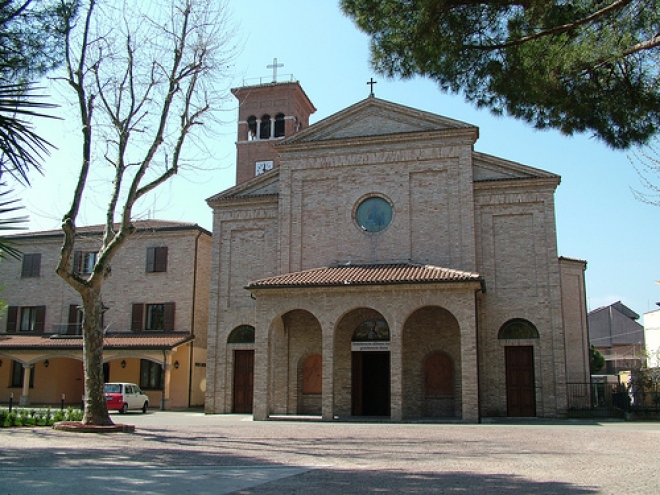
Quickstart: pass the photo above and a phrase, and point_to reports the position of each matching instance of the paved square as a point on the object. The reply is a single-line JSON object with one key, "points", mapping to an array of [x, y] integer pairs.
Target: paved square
{"points": [[191, 453]]}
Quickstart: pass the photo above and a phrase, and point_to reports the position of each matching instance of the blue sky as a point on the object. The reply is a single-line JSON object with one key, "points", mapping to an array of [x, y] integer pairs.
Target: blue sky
{"points": [[598, 219]]}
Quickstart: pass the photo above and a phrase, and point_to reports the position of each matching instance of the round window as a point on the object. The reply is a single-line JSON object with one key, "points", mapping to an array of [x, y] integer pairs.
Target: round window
{"points": [[374, 214]]}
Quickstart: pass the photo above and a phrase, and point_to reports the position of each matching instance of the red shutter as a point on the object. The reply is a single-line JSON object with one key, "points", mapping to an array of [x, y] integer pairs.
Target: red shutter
{"points": [[74, 327], [168, 317], [31, 266], [151, 259], [40, 320], [157, 259], [137, 317], [73, 314], [12, 319], [160, 259], [35, 267]]}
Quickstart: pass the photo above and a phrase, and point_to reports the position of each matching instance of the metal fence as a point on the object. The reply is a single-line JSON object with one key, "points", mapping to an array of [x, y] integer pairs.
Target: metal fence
{"points": [[612, 400]]}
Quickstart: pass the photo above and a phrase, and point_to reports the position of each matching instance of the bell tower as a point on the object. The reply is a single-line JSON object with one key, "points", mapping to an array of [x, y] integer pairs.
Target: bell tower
{"points": [[267, 113]]}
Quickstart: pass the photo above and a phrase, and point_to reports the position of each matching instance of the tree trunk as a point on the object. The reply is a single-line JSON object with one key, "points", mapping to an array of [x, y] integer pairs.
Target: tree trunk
{"points": [[96, 410]]}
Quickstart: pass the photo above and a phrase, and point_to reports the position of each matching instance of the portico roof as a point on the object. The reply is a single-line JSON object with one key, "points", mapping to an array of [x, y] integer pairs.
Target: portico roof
{"points": [[367, 274], [160, 341]]}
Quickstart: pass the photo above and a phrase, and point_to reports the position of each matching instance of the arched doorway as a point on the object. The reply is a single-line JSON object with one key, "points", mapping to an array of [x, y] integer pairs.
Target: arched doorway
{"points": [[243, 383], [370, 368], [519, 365]]}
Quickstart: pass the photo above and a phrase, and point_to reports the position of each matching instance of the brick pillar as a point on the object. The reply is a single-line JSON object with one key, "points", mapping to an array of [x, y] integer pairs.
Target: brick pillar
{"points": [[396, 371], [469, 374], [260, 407], [328, 390]]}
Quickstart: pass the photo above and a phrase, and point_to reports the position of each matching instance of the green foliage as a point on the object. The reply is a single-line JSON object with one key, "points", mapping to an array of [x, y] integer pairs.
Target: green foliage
{"points": [[596, 360], [31, 44], [38, 417], [585, 65], [32, 41]]}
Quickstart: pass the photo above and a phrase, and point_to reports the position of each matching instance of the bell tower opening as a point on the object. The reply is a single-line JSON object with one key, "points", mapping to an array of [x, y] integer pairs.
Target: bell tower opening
{"points": [[267, 114]]}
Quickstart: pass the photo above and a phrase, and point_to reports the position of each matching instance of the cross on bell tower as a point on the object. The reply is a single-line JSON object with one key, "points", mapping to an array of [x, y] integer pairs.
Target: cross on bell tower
{"points": [[267, 114], [274, 66]]}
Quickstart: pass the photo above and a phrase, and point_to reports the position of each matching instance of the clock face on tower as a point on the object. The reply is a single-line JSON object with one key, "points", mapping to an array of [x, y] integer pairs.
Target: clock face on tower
{"points": [[263, 166]]}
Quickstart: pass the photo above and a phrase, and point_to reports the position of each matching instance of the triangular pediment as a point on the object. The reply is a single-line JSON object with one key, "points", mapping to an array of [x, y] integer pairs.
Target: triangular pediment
{"points": [[267, 184], [375, 117], [488, 167]]}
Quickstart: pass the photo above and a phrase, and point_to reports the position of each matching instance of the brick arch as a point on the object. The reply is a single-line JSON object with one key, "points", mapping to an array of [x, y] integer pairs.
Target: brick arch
{"points": [[518, 328], [242, 334], [294, 336], [431, 331]]}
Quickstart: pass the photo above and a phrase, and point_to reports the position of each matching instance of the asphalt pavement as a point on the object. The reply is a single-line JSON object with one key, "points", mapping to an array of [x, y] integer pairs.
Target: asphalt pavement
{"points": [[188, 452]]}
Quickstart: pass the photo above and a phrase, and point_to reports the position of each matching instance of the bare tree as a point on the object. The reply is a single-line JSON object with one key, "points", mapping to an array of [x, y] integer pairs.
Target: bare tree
{"points": [[144, 76]]}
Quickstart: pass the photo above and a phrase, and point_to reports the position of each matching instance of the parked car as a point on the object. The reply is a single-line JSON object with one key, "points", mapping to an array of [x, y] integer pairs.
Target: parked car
{"points": [[124, 396]]}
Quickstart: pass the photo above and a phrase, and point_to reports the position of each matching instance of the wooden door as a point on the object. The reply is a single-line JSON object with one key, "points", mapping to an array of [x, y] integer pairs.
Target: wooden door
{"points": [[520, 386], [243, 381]]}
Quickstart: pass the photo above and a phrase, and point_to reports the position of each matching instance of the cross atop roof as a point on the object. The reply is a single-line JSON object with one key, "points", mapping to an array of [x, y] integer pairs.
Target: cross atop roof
{"points": [[274, 66], [371, 83]]}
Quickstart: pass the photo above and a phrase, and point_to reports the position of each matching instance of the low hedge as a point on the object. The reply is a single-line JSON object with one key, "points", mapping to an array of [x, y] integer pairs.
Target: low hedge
{"points": [[37, 417]]}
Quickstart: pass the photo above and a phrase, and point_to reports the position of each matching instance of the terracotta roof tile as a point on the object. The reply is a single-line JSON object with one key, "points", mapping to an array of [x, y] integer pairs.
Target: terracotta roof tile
{"points": [[140, 225], [112, 341], [374, 274]]}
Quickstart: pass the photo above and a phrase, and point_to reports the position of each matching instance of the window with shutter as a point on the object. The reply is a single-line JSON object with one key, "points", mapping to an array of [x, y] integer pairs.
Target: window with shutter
{"points": [[75, 320], [137, 317], [31, 266], [157, 259], [32, 319], [158, 317], [40, 319], [168, 322], [84, 262], [26, 319], [12, 319]]}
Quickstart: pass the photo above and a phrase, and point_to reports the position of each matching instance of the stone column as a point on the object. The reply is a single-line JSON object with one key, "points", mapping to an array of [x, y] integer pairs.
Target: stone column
{"points": [[257, 136], [25, 392], [167, 369]]}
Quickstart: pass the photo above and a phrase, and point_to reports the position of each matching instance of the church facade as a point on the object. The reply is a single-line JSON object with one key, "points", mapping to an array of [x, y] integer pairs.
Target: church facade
{"points": [[375, 264]]}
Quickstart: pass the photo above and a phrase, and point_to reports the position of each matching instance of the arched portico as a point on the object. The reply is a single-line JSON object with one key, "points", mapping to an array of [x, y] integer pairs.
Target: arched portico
{"points": [[432, 369], [325, 321], [294, 336]]}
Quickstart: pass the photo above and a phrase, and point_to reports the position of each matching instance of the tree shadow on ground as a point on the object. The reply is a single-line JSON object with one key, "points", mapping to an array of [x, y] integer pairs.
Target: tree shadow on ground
{"points": [[163, 462], [345, 482]]}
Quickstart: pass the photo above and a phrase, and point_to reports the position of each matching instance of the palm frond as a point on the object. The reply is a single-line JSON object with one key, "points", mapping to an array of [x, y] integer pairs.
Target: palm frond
{"points": [[10, 205], [21, 148]]}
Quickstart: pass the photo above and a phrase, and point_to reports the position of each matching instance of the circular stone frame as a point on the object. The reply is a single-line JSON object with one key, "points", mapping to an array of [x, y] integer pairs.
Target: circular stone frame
{"points": [[373, 214]]}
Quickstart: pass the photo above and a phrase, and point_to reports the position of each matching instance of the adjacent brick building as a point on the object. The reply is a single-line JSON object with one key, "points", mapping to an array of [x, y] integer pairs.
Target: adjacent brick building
{"points": [[391, 270], [155, 324], [615, 332]]}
